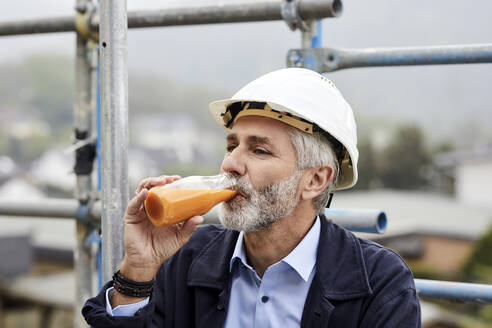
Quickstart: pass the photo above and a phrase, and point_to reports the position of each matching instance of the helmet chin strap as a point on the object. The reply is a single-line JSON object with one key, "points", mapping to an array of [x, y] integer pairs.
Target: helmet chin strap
{"points": [[329, 200]]}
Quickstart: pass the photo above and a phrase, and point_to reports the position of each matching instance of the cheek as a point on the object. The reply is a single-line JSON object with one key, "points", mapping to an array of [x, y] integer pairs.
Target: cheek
{"points": [[260, 175], [268, 174]]}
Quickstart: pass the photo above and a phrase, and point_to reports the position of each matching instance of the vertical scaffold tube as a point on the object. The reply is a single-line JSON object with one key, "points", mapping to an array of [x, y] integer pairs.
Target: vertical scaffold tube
{"points": [[82, 253], [114, 130], [311, 39], [317, 40], [84, 259]]}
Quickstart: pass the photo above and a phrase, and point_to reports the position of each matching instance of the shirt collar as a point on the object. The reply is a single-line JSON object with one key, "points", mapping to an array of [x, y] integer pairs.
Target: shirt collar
{"points": [[302, 258], [239, 252]]}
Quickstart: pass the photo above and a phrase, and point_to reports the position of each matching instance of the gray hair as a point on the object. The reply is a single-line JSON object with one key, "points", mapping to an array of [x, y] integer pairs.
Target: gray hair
{"points": [[313, 150]]}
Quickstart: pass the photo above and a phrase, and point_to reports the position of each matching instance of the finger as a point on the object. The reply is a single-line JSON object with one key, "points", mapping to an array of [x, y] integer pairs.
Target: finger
{"points": [[191, 224], [160, 181], [150, 182], [141, 185], [165, 179], [135, 205], [175, 177], [156, 181]]}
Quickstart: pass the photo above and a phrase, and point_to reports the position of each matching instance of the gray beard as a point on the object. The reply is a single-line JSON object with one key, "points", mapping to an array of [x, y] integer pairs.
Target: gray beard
{"points": [[260, 208]]}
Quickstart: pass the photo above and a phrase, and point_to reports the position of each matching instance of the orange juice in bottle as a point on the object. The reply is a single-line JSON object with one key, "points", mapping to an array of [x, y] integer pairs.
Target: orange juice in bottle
{"points": [[184, 198]]}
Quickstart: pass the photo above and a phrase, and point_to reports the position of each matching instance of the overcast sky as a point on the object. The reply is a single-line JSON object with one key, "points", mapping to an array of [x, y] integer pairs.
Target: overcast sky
{"points": [[229, 55]]}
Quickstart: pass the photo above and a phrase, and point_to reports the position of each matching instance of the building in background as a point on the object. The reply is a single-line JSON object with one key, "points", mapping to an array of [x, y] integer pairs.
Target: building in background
{"points": [[434, 233], [467, 175]]}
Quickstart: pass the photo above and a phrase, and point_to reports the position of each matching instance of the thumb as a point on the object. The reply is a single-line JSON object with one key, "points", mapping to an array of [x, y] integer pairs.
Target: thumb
{"points": [[134, 207], [191, 225]]}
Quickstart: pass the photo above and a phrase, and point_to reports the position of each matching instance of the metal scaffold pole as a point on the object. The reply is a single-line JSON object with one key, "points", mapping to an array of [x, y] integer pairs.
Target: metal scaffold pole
{"points": [[114, 131], [454, 291], [200, 14], [82, 254], [332, 59], [84, 259]]}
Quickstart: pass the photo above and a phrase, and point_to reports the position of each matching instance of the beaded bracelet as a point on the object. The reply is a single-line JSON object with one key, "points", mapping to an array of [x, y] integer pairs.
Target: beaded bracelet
{"points": [[132, 288]]}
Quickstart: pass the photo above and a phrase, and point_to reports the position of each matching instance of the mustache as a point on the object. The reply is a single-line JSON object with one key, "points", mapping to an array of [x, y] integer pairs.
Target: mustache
{"points": [[244, 187]]}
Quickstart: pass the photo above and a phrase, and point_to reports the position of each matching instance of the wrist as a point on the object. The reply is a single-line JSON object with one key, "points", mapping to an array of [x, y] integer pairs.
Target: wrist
{"points": [[130, 291], [122, 298], [138, 273], [116, 298]]}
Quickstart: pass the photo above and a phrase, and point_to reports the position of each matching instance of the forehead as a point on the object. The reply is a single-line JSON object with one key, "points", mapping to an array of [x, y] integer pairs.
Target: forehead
{"points": [[275, 131]]}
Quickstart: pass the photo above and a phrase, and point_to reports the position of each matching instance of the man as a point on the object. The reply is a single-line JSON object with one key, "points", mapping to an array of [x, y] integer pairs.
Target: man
{"points": [[277, 262]]}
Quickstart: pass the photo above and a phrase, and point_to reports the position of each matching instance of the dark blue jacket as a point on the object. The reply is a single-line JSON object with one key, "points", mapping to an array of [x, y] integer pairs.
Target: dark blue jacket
{"points": [[357, 283]]}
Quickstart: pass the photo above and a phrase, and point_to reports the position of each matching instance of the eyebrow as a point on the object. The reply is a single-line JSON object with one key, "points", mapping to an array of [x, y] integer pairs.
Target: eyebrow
{"points": [[251, 139]]}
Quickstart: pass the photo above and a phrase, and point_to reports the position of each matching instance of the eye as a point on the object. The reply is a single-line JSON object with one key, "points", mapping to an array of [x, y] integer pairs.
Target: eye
{"points": [[260, 151], [230, 148]]}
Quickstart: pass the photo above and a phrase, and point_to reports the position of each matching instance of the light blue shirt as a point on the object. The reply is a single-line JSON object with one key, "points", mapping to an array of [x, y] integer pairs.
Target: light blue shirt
{"points": [[275, 300], [127, 310]]}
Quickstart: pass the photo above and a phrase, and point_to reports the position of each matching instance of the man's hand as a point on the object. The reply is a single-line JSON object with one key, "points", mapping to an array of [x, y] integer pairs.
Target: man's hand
{"points": [[148, 246]]}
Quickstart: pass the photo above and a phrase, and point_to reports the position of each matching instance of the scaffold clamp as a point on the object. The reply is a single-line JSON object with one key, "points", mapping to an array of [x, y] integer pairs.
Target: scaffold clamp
{"points": [[290, 14], [86, 215], [86, 20]]}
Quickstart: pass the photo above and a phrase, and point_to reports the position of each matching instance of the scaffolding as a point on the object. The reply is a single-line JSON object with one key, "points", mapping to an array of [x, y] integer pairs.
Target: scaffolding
{"points": [[101, 117]]}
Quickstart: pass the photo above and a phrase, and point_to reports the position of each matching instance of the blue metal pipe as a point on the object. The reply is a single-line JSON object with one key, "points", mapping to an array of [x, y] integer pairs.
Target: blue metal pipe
{"points": [[316, 40], [359, 220], [330, 59], [454, 291]]}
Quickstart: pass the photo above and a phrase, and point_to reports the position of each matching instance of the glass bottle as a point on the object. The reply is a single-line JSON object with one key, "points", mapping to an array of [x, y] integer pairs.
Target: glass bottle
{"points": [[187, 197]]}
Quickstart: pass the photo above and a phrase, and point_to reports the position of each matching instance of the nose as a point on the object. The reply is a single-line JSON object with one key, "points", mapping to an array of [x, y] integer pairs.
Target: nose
{"points": [[234, 163]]}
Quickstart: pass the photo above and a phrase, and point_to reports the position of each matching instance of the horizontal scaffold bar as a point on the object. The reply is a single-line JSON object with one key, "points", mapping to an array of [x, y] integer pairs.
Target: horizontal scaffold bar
{"points": [[454, 291], [49, 208], [359, 220], [330, 59], [195, 15], [35, 26]]}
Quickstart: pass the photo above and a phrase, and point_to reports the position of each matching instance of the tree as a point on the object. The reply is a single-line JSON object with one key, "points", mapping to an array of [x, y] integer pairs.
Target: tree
{"points": [[402, 160], [478, 267]]}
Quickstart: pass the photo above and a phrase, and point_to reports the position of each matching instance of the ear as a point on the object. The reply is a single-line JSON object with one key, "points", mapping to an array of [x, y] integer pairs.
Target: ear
{"points": [[317, 179]]}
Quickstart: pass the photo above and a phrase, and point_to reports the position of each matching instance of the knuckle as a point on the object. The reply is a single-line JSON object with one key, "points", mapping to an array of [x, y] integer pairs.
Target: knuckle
{"points": [[143, 182]]}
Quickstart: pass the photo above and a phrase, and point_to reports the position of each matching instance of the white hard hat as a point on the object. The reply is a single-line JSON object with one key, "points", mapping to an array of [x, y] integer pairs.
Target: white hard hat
{"points": [[304, 99]]}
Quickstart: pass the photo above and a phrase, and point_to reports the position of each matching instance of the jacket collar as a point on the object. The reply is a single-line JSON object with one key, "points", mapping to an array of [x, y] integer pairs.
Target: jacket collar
{"points": [[340, 268], [340, 265], [210, 267]]}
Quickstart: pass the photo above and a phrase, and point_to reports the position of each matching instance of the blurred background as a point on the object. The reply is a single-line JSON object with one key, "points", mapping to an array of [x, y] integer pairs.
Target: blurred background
{"points": [[425, 133]]}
